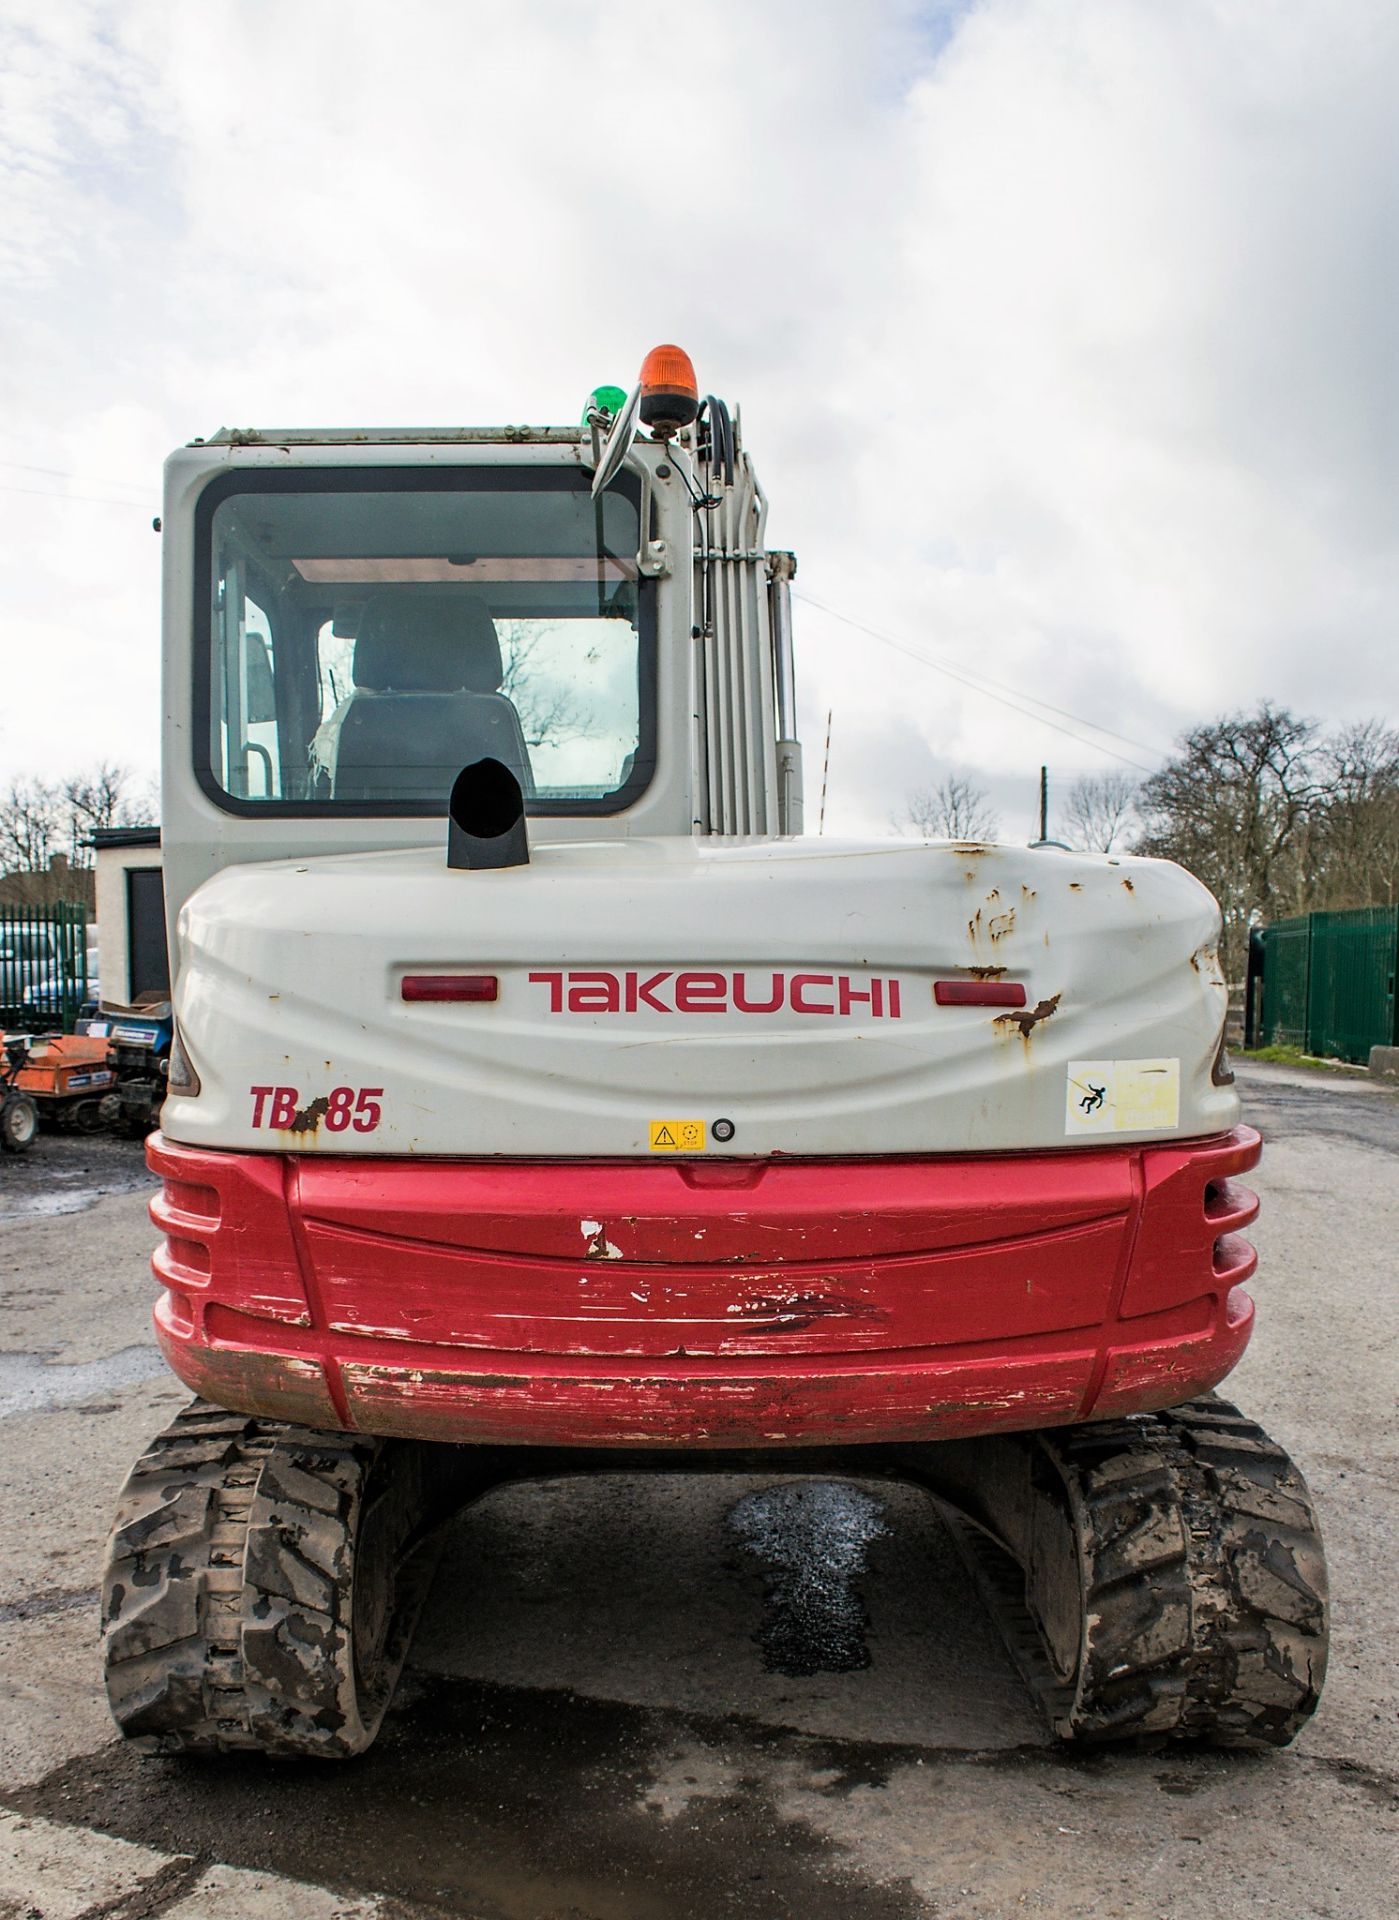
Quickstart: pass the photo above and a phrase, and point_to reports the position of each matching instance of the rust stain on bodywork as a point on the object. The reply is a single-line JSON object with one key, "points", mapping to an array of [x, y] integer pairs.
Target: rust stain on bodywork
{"points": [[987, 973], [997, 926], [310, 1116], [1029, 1018]]}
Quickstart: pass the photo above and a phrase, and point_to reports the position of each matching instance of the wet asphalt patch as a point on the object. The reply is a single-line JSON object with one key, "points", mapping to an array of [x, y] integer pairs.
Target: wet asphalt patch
{"points": [[47, 1600], [517, 1803], [1284, 1110], [68, 1173], [40, 1382], [811, 1539], [511, 1803]]}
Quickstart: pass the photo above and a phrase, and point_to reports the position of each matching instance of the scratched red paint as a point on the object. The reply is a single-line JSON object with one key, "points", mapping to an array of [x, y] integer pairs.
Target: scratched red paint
{"points": [[791, 1301]]}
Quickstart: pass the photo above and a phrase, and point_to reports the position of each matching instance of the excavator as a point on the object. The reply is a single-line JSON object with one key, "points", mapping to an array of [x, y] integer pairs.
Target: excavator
{"points": [[542, 1102]]}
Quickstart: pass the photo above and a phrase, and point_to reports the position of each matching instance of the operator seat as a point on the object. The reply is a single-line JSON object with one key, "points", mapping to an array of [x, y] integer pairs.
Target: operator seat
{"points": [[427, 675]]}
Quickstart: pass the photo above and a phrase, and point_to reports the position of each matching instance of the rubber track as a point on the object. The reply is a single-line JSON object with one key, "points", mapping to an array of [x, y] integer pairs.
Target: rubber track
{"points": [[1201, 1575], [229, 1591]]}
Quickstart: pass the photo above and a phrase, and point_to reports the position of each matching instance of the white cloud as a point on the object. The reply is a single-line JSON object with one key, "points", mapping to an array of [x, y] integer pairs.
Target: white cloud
{"points": [[1061, 327], [1144, 268]]}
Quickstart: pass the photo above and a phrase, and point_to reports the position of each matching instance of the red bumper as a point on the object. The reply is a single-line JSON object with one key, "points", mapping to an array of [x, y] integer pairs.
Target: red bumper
{"points": [[713, 1303]]}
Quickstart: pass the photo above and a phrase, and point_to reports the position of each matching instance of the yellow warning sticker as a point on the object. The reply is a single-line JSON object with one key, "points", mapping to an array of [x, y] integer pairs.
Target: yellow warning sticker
{"points": [[677, 1136], [1123, 1096]]}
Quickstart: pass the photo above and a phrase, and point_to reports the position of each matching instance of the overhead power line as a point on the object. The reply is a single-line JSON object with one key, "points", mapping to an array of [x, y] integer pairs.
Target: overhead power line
{"points": [[1027, 704], [84, 479], [980, 682], [95, 499]]}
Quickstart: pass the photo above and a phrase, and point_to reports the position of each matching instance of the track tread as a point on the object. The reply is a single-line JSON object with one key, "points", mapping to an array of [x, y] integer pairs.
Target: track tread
{"points": [[1201, 1581], [228, 1595], [1222, 1640]]}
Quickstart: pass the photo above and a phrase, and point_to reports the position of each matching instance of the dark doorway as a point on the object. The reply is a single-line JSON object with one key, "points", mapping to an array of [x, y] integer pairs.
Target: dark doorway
{"points": [[148, 963]]}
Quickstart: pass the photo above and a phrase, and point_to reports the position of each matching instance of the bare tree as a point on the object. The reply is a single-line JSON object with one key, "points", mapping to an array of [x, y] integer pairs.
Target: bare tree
{"points": [[31, 826], [100, 798], [1236, 805], [39, 818], [955, 809], [1099, 810], [1353, 845], [549, 709]]}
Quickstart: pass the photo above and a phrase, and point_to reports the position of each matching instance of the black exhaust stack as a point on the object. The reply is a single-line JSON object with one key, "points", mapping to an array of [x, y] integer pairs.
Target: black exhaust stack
{"points": [[486, 818]]}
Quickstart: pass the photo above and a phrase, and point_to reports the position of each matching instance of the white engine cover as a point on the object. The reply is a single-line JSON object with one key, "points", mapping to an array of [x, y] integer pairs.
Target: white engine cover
{"points": [[786, 988]]}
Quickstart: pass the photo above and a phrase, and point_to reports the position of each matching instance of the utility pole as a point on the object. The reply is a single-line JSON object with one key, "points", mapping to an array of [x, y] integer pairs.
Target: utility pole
{"points": [[825, 772], [1044, 803]]}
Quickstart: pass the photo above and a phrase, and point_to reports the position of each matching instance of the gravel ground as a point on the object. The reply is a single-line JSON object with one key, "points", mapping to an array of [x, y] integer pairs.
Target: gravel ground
{"points": [[653, 1698]]}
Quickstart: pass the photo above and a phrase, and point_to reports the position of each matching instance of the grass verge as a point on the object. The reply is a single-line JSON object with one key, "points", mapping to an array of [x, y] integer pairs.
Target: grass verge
{"points": [[1280, 1056]]}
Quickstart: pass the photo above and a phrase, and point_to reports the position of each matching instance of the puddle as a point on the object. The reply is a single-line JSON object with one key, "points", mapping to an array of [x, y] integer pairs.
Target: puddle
{"points": [[42, 1206], [37, 1383], [810, 1537], [517, 1804]]}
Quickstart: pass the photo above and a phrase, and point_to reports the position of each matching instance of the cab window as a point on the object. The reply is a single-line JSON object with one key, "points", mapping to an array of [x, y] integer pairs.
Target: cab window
{"points": [[372, 633]]}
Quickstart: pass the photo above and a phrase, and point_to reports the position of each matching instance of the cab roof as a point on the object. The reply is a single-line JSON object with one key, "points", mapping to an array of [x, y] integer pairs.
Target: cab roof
{"points": [[386, 436]]}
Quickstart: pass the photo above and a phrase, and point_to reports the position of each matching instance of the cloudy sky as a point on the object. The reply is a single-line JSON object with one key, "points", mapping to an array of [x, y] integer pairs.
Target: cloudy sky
{"points": [[1064, 330]]}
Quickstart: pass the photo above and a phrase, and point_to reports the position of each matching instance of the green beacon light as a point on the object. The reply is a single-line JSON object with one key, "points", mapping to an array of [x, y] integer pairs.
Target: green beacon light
{"points": [[605, 400]]}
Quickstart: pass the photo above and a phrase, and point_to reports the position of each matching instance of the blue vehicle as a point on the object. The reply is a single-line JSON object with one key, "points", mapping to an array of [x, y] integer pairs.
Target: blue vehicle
{"points": [[139, 1053]]}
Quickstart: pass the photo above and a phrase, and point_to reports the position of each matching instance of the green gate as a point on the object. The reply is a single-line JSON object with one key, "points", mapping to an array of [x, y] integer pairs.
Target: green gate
{"points": [[1350, 998], [1286, 973], [43, 966], [1329, 982]]}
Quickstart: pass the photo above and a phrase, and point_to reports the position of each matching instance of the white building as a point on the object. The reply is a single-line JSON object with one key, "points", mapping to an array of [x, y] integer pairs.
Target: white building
{"points": [[133, 962]]}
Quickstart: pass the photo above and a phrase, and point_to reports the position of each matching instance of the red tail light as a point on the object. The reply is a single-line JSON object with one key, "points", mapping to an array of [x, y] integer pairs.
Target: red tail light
{"points": [[979, 993], [450, 986]]}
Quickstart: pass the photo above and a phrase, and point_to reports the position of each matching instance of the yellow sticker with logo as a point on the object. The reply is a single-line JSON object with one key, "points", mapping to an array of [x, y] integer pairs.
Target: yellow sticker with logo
{"points": [[677, 1136], [1123, 1096]]}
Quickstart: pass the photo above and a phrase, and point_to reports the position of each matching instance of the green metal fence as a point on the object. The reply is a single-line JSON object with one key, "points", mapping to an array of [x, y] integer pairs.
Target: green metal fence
{"points": [[1329, 982], [43, 966], [1287, 947]]}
